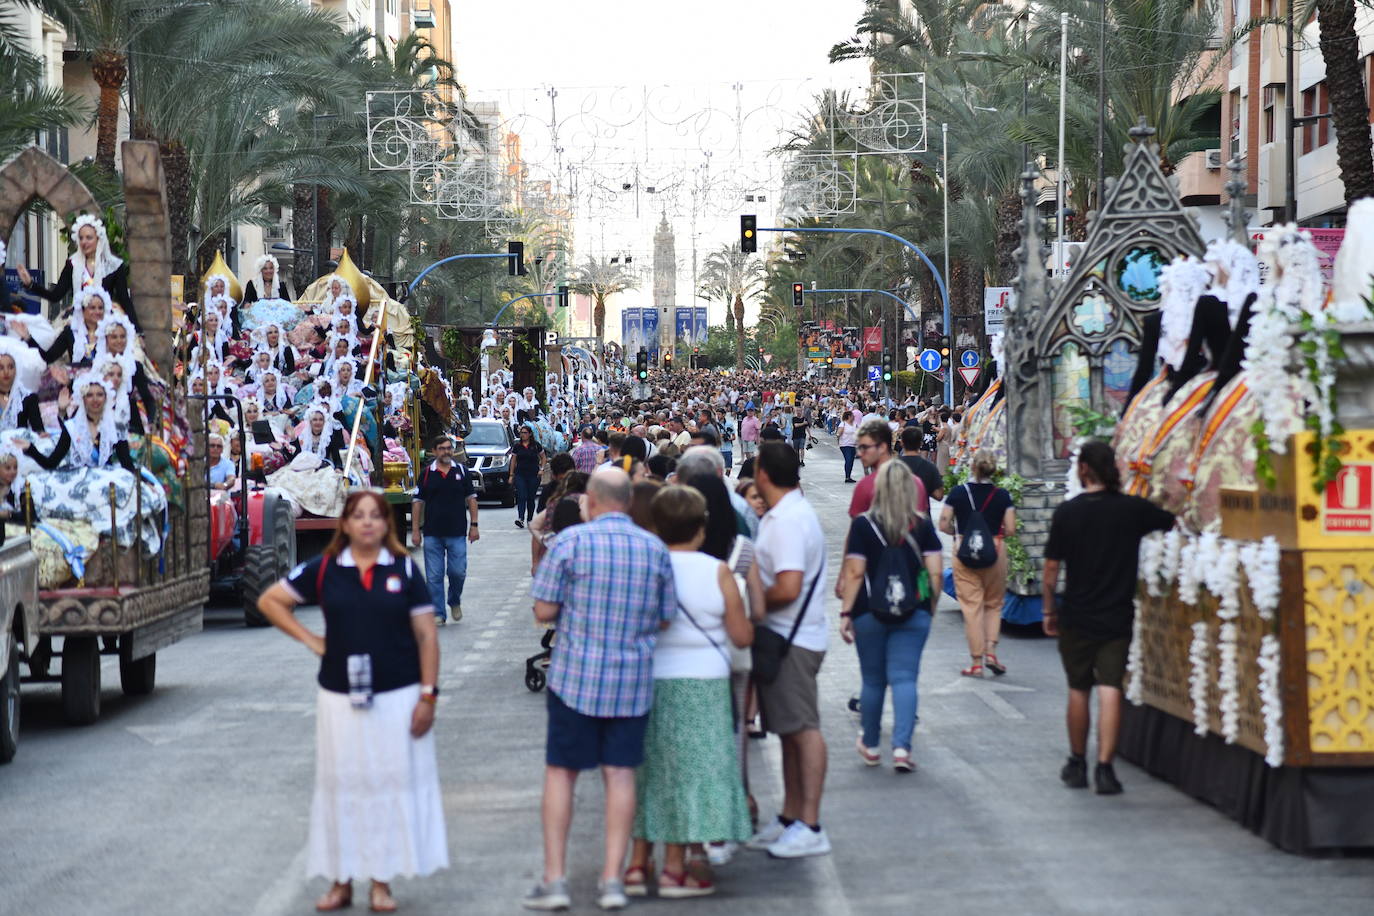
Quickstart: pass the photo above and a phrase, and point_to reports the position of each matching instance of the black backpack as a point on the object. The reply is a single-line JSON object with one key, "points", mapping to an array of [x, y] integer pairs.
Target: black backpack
{"points": [[898, 594], [977, 549]]}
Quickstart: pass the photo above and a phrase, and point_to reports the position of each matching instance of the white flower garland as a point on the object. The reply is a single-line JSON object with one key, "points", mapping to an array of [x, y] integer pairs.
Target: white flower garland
{"points": [[1261, 562], [1271, 700], [1222, 575], [1168, 566], [1188, 579], [1151, 563], [1135, 689], [1197, 678]]}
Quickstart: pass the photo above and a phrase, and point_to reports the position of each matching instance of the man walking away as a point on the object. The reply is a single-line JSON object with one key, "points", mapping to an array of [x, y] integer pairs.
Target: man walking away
{"points": [[925, 471], [437, 511], [608, 584], [791, 555], [1096, 535]]}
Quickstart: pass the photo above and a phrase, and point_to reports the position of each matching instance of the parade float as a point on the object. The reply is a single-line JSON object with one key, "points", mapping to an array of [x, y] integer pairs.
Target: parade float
{"points": [[1251, 674]]}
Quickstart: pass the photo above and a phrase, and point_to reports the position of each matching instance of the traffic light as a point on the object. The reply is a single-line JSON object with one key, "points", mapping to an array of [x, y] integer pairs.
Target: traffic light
{"points": [[562, 297], [642, 365], [944, 351], [797, 293], [887, 367], [748, 234], [515, 261], [696, 357], [668, 361]]}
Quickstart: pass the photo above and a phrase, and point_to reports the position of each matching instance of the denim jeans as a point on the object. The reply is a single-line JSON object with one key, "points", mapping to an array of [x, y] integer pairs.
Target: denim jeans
{"points": [[848, 451], [526, 495], [454, 552], [890, 656]]}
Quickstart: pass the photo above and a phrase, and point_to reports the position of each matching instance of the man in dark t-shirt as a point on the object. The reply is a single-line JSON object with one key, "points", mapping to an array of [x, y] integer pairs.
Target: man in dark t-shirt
{"points": [[925, 471], [1096, 536]]}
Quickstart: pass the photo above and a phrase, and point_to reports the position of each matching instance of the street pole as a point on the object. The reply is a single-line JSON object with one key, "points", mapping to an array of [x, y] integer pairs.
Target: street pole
{"points": [[1059, 163], [1290, 193], [944, 157], [1101, 101]]}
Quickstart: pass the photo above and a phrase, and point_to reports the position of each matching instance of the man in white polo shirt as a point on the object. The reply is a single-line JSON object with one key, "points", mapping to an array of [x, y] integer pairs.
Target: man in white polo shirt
{"points": [[791, 555]]}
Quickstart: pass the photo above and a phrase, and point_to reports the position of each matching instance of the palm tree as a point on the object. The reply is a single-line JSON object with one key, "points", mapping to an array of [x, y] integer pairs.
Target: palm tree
{"points": [[731, 275], [1340, 49], [601, 279]]}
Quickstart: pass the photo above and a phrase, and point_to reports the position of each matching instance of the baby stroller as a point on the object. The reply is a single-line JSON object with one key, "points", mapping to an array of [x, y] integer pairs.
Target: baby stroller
{"points": [[537, 665]]}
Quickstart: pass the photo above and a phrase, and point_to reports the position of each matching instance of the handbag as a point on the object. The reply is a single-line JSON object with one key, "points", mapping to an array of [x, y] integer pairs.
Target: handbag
{"points": [[771, 647]]}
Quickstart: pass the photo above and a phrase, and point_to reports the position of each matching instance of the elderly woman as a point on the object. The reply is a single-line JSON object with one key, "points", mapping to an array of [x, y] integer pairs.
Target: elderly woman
{"points": [[377, 810], [689, 789], [92, 266]]}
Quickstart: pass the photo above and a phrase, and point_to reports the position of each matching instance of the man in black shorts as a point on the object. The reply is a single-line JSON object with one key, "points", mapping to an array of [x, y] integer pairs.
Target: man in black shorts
{"points": [[1097, 536]]}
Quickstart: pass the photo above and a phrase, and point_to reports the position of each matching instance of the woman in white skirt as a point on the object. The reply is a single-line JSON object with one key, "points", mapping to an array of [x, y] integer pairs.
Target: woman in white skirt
{"points": [[377, 810]]}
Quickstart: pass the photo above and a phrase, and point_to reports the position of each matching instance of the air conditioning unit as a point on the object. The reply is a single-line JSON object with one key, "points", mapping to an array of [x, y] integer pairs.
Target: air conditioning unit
{"points": [[1214, 159], [423, 18]]}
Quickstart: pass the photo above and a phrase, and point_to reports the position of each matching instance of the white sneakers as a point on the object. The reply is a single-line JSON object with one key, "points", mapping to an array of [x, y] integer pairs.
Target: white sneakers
{"points": [[799, 841], [769, 834]]}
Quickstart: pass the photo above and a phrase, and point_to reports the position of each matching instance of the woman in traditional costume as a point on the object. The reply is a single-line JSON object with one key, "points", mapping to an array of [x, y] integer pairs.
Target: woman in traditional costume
{"points": [[283, 354], [274, 394], [78, 339], [266, 282], [214, 337], [114, 341], [18, 405], [321, 435], [92, 266], [92, 438]]}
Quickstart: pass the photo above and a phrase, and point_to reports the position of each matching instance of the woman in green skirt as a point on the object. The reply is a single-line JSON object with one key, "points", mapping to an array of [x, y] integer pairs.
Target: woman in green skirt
{"points": [[689, 788]]}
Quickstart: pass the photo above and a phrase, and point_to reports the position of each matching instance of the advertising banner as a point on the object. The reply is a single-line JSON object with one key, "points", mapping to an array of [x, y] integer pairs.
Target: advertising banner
{"points": [[649, 328], [26, 300], [873, 340], [995, 302], [699, 323], [682, 326]]}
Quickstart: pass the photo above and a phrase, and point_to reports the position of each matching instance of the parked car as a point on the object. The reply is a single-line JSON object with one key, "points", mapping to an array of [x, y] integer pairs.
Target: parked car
{"points": [[489, 447]]}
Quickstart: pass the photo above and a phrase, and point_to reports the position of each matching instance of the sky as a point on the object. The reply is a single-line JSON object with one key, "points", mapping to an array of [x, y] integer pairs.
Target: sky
{"points": [[660, 84]]}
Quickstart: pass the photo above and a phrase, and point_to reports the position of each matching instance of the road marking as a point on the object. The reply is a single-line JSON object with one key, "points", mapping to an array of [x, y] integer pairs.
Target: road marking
{"points": [[481, 644], [216, 717], [281, 895], [988, 692], [827, 893]]}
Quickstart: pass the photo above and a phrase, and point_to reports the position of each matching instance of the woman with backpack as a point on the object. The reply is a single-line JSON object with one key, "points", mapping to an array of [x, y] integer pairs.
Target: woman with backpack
{"points": [[892, 567], [982, 516]]}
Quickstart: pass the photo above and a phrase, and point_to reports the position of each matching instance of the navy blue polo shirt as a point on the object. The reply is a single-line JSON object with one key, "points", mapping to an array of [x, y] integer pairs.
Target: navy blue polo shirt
{"points": [[365, 615], [445, 497]]}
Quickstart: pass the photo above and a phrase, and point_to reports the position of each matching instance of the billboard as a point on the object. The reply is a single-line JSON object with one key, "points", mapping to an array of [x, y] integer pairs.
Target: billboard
{"points": [[699, 324], [649, 328], [996, 300], [873, 340], [631, 331], [682, 327]]}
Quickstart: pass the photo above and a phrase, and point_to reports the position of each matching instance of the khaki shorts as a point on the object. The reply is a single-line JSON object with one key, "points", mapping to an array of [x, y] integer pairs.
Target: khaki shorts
{"points": [[1088, 661], [791, 703]]}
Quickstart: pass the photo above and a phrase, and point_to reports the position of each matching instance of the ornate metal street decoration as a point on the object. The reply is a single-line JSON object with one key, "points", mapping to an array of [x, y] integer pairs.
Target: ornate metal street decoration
{"points": [[895, 122]]}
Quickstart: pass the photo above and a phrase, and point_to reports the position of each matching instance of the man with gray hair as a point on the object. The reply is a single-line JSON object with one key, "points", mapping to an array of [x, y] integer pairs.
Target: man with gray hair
{"points": [[703, 459], [608, 584]]}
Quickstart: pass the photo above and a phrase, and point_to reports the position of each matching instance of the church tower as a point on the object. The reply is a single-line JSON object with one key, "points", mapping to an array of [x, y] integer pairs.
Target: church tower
{"points": [[665, 284]]}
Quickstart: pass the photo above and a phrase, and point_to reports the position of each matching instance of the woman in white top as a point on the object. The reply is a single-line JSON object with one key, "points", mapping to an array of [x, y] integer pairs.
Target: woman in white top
{"points": [[848, 436], [689, 789]]}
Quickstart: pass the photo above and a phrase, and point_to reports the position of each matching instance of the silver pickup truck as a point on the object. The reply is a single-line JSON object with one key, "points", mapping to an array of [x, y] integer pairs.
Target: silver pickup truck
{"points": [[19, 636]]}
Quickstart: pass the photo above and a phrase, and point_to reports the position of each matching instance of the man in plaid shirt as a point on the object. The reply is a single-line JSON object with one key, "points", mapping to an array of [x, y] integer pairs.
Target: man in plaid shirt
{"points": [[587, 454], [609, 586]]}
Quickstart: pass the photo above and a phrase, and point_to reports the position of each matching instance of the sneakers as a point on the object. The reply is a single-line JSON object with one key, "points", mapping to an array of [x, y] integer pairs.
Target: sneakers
{"points": [[719, 854], [611, 894], [1075, 773], [868, 755], [1104, 778], [550, 895], [901, 760], [799, 841], [456, 612], [519, 523], [769, 834], [440, 621]]}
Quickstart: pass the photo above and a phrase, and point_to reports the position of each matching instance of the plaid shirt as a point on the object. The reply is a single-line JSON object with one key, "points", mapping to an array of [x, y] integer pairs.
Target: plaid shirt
{"points": [[614, 581], [585, 455]]}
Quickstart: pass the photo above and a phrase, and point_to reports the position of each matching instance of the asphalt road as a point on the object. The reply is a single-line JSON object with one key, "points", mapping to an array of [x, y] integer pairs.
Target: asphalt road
{"points": [[194, 800]]}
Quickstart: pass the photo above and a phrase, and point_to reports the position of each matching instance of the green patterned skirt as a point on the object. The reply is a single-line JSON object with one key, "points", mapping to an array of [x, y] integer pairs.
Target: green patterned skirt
{"points": [[689, 788]]}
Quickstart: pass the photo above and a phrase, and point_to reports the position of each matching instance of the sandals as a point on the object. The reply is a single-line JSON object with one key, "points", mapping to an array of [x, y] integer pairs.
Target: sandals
{"points": [[338, 897], [636, 879], [379, 900], [687, 884], [994, 665], [974, 670]]}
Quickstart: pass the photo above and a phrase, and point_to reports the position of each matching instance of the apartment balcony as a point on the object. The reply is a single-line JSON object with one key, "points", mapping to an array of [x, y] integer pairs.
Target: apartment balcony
{"points": [[1272, 179], [1273, 64], [1199, 183]]}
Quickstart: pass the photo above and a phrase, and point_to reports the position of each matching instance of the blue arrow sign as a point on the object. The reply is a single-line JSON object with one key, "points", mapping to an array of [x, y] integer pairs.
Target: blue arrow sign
{"points": [[968, 359], [929, 360]]}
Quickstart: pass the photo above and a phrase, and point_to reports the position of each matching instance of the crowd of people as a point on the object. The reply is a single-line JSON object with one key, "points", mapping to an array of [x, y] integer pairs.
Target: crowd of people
{"points": [[685, 595]]}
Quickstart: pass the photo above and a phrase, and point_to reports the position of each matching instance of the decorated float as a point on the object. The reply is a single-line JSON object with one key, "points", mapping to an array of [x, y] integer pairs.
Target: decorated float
{"points": [[1248, 410]]}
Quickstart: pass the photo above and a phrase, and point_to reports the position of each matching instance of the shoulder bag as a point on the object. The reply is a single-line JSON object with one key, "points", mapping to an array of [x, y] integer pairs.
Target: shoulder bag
{"points": [[771, 647]]}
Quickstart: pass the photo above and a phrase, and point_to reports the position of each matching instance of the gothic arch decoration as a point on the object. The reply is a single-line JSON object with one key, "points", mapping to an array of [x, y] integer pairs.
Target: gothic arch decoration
{"points": [[1073, 341], [34, 175]]}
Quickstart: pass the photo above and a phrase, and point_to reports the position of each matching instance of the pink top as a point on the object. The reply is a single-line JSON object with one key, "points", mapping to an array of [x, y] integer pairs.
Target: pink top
{"points": [[749, 429]]}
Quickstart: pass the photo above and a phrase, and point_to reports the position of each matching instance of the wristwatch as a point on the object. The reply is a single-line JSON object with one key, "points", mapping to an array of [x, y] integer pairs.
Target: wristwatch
{"points": [[472, 524], [429, 691]]}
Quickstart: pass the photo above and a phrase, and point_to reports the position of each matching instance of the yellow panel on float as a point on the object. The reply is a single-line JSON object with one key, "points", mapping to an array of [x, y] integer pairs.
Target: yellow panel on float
{"points": [[1341, 517], [1338, 588]]}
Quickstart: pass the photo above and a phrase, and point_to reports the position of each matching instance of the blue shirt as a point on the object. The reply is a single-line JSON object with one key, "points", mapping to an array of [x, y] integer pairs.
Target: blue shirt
{"points": [[614, 583]]}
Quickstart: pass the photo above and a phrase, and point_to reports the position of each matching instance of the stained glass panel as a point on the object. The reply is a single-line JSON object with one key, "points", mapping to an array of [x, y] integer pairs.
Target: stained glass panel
{"points": [[1117, 368], [1070, 386], [1093, 313], [1137, 273]]}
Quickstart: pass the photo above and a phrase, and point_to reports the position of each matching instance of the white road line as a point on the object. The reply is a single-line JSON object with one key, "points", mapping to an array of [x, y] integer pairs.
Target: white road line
{"points": [[280, 896]]}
